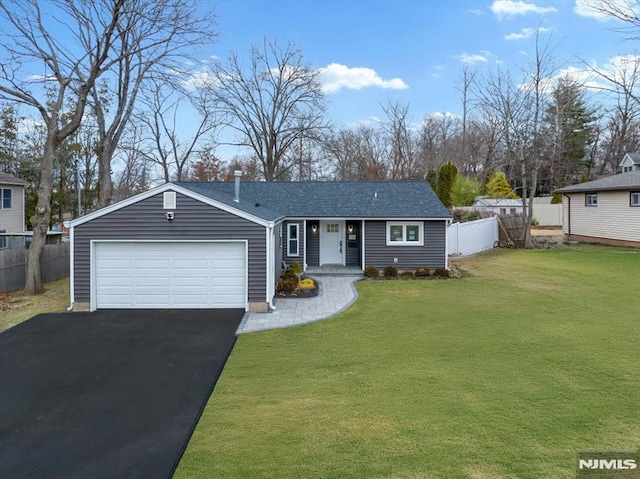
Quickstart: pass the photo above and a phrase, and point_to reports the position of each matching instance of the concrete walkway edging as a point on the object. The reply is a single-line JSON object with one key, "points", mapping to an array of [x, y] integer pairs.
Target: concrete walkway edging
{"points": [[336, 294]]}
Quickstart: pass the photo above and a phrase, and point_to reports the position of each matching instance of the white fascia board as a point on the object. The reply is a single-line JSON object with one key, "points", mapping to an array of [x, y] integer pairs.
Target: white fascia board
{"points": [[169, 187]]}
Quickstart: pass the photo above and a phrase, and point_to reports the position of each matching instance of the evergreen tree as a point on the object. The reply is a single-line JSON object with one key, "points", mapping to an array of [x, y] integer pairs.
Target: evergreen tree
{"points": [[446, 178], [570, 128], [498, 187]]}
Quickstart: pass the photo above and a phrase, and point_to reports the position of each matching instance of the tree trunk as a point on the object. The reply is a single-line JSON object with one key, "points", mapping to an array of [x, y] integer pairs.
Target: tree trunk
{"points": [[104, 174], [41, 218]]}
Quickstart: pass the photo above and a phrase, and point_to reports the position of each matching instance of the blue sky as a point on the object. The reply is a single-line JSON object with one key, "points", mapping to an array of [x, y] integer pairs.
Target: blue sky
{"points": [[373, 52]]}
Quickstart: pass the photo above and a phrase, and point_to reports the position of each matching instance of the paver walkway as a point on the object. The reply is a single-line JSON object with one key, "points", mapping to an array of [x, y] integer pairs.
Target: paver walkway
{"points": [[337, 293]]}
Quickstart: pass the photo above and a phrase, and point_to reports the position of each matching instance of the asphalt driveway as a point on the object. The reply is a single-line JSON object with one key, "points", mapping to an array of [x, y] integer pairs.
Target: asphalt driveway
{"points": [[107, 394]]}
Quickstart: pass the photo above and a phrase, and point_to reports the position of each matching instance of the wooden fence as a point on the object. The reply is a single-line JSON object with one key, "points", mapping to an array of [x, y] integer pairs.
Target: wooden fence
{"points": [[13, 265]]}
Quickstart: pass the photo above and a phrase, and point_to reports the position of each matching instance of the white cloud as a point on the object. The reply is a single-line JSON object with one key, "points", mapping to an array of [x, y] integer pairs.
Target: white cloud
{"points": [[593, 77], [470, 59], [40, 78], [436, 71], [439, 115], [512, 8], [476, 12], [525, 33], [334, 77], [589, 8], [199, 79]]}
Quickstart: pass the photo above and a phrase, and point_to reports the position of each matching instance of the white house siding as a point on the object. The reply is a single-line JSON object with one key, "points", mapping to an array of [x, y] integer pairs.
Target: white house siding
{"points": [[12, 219], [613, 218]]}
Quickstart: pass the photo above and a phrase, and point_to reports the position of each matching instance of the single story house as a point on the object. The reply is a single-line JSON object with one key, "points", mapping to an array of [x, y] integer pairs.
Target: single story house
{"points": [[498, 206], [12, 216], [221, 245], [603, 211], [630, 162]]}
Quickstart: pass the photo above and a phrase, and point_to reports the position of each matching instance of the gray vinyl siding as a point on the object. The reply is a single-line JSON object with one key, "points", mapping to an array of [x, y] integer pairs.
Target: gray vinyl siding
{"points": [[285, 242], [432, 254], [313, 244], [193, 221], [353, 253]]}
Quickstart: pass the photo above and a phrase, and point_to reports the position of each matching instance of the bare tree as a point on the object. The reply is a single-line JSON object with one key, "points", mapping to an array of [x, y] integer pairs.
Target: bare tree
{"points": [[626, 11], [357, 154], [464, 86], [401, 141], [163, 144], [162, 35], [271, 103], [519, 106], [71, 69]]}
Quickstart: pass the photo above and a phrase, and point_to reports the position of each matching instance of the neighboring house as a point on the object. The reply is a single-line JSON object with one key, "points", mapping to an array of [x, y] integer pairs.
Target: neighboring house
{"points": [[498, 206], [220, 245], [603, 211], [11, 210], [630, 162]]}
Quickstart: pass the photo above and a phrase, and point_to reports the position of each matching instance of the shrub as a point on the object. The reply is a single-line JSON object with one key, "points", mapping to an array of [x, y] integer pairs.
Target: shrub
{"points": [[307, 283], [289, 274], [390, 272], [371, 272], [441, 273], [422, 272], [407, 274], [295, 267], [287, 285], [534, 222]]}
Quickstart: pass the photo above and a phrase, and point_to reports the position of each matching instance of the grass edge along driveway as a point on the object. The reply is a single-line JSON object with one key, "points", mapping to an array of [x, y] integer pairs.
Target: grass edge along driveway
{"points": [[503, 374]]}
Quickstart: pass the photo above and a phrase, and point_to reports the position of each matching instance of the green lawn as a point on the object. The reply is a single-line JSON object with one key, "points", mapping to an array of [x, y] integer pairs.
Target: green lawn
{"points": [[503, 374], [15, 307]]}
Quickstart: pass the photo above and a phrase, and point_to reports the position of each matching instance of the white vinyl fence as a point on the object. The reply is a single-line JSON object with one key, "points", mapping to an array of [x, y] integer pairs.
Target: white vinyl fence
{"points": [[472, 237], [548, 215]]}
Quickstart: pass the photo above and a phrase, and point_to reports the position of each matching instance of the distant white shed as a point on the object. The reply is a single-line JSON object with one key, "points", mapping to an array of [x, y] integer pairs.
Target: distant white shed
{"points": [[498, 206]]}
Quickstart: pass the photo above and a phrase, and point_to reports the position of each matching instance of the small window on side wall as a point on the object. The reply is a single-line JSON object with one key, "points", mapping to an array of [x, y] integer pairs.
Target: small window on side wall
{"points": [[635, 198], [591, 199], [293, 240]]}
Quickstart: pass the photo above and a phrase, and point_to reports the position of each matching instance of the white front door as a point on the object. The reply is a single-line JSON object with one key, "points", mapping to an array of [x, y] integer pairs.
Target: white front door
{"points": [[331, 242]]}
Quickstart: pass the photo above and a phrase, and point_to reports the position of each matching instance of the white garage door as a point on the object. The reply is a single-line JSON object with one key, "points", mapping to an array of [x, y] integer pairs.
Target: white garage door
{"points": [[170, 275]]}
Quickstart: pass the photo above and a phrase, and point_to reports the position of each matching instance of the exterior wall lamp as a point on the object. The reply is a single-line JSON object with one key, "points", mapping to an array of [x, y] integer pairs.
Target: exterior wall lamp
{"points": [[314, 228]]}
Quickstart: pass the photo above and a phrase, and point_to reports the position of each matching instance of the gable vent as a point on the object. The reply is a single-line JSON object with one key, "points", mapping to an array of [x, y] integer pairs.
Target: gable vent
{"points": [[169, 200]]}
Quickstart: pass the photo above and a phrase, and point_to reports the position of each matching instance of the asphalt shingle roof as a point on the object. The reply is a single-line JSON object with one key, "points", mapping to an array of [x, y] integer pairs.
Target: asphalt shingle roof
{"points": [[325, 199], [623, 181], [7, 179]]}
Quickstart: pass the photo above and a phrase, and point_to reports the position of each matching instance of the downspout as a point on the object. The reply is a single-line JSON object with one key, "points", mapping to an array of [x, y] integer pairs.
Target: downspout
{"points": [[71, 269], [270, 268], [568, 216], [446, 242]]}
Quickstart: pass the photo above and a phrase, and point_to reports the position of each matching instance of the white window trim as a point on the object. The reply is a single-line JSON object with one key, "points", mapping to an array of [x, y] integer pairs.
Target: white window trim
{"points": [[2, 199], [296, 239], [637, 195], [586, 200], [404, 225]]}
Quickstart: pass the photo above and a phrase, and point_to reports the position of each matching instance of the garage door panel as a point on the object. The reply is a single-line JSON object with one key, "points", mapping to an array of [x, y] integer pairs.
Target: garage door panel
{"points": [[201, 300], [200, 281], [116, 281], [166, 275], [151, 263], [105, 263], [148, 280]]}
